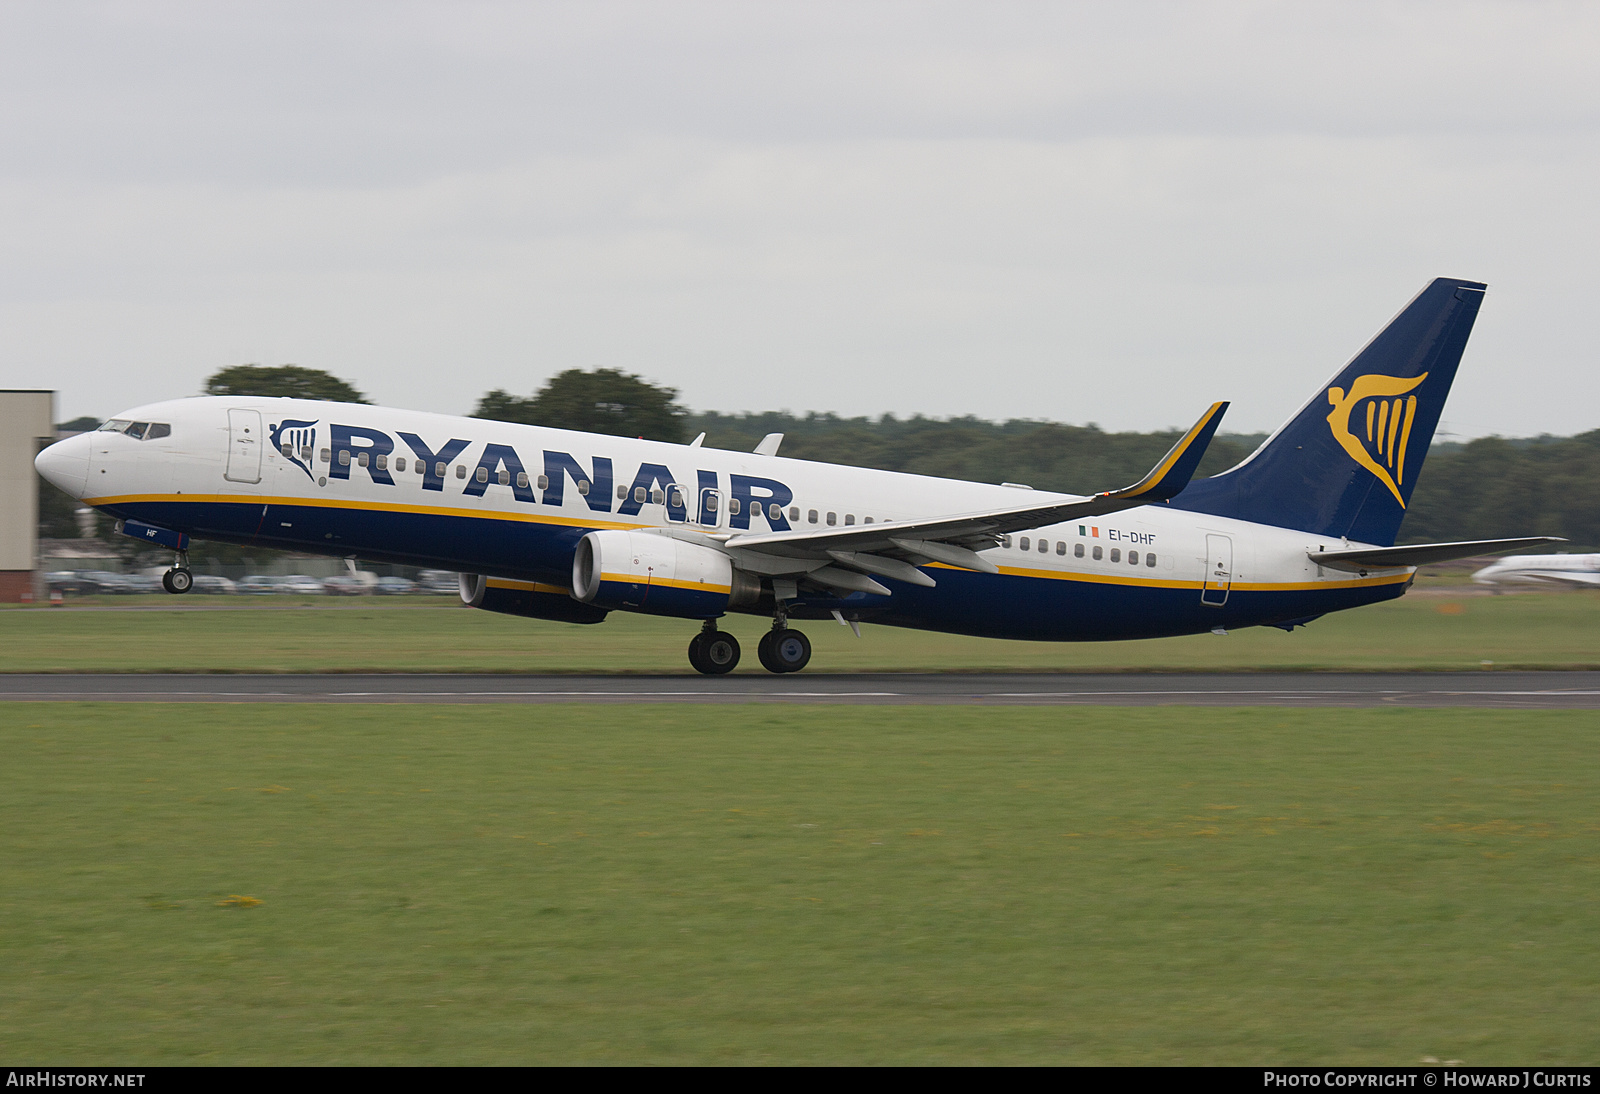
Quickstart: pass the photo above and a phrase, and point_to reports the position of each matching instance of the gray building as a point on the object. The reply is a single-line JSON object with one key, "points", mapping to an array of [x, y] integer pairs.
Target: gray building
{"points": [[27, 424]]}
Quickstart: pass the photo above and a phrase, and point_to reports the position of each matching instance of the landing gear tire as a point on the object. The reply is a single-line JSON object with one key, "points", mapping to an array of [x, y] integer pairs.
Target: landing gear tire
{"points": [[714, 652], [784, 650], [177, 581]]}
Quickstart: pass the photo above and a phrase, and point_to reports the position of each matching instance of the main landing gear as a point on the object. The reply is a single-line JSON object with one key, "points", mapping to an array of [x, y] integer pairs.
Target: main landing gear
{"points": [[178, 579], [715, 652], [783, 650]]}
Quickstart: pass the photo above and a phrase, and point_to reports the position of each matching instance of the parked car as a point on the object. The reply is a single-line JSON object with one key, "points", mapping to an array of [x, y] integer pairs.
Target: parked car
{"points": [[300, 583], [439, 581], [104, 581], [344, 585], [395, 586], [206, 583], [68, 583], [260, 584]]}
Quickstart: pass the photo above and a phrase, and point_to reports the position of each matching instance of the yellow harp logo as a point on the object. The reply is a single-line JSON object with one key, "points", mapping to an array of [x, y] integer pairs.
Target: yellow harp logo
{"points": [[1389, 420]]}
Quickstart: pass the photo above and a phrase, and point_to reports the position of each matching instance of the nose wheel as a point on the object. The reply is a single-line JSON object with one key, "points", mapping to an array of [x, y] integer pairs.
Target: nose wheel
{"points": [[178, 579], [714, 652], [784, 650]]}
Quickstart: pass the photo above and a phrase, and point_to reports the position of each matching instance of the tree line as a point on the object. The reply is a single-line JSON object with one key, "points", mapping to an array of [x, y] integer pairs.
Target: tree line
{"points": [[1482, 489]]}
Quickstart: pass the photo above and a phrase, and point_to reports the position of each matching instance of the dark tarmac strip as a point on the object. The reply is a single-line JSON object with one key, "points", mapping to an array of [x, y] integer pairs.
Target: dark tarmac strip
{"points": [[1500, 690]]}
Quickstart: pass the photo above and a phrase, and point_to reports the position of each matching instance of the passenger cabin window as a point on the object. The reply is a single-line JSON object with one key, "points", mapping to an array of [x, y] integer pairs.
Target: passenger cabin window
{"points": [[1116, 554], [481, 474], [866, 520], [774, 511], [461, 471], [622, 493], [1077, 550], [543, 481], [1044, 546], [1061, 547], [439, 469], [1097, 554], [832, 520], [522, 480], [1133, 558], [504, 477], [733, 507], [811, 516], [849, 518], [399, 463], [1150, 559], [344, 458], [362, 459], [794, 514], [658, 495], [326, 454], [583, 486], [1005, 541], [1022, 544], [675, 498], [288, 450]]}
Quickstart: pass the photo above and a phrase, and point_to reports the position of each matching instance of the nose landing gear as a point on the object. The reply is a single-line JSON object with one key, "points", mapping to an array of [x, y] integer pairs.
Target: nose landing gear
{"points": [[178, 579]]}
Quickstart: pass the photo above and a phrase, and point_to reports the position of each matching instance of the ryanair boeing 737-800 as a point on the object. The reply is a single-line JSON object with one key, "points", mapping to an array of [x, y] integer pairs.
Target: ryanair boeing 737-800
{"points": [[555, 524]]}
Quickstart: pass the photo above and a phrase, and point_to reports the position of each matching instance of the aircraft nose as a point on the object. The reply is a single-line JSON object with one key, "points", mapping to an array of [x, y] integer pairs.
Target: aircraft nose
{"points": [[65, 464]]}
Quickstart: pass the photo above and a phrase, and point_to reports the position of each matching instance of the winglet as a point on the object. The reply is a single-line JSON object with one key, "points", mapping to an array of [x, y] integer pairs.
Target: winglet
{"points": [[1168, 478]]}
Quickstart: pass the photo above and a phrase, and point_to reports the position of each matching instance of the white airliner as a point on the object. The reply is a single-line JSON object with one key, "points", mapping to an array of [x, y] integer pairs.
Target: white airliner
{"points": [[1576, 571], [555, 524]]}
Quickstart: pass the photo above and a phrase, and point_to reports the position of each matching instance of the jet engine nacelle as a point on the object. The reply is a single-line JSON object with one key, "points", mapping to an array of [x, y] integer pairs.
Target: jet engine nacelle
{"points": [[525, 598], [659, 575]]}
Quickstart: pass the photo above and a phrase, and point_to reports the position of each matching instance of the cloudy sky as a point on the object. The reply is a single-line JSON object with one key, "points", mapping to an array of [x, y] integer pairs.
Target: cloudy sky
{"points": [[1079, 212]]}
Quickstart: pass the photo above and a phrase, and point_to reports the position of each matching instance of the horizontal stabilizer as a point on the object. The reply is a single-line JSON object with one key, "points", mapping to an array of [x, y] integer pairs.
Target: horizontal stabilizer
{"points": [[1418, 554]]}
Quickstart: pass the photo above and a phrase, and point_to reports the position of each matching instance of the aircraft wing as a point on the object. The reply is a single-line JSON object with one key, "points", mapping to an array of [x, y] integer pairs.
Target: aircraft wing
{"points": [[895, 548], [1418, 554]]}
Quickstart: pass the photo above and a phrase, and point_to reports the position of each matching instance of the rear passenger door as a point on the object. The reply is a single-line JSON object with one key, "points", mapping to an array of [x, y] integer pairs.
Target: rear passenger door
{"points": [[1219, 570]]}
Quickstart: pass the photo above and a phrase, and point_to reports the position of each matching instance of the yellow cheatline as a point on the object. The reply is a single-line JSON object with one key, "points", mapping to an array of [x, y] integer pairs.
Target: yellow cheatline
{"points": [[527, 586], [368, 507], [1171, 583], [671, 583]]}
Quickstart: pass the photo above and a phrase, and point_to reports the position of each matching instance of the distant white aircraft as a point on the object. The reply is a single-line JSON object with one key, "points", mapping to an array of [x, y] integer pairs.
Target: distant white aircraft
{"points": [[1577, 571], [555, 524]]}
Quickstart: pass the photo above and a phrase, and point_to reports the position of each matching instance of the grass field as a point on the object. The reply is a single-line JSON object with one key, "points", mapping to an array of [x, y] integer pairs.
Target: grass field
{"points": [[1435, 632], [309, 884]]}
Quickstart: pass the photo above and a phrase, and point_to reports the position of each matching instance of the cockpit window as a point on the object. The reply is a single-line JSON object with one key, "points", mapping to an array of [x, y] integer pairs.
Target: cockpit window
{"points": [[139, 431]]}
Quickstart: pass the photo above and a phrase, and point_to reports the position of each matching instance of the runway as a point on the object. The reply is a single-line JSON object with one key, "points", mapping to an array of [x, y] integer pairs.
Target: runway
{"points": [[1500, 690]]}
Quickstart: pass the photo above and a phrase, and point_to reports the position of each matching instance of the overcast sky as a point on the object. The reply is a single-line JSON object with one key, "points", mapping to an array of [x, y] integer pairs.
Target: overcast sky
{"points": [[1078, 212]]}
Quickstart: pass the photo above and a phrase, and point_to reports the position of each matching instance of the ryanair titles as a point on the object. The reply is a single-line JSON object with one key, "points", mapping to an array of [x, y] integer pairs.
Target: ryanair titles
{"points": [[375, 454]]}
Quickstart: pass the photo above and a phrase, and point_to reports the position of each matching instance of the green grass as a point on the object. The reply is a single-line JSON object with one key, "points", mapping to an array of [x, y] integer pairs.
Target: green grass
{"points": [[814, 884], [1440, 632]]}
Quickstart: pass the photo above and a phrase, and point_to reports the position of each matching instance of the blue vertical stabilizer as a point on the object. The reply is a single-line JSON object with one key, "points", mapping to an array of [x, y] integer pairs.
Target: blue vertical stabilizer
{"points": [[1346, 464]]}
